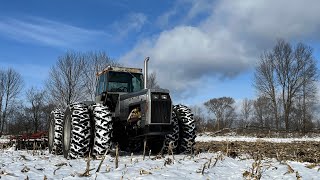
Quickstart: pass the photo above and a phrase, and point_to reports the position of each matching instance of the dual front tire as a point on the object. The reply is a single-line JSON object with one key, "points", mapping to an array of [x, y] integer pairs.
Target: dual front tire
{"points": [[182, 138]]}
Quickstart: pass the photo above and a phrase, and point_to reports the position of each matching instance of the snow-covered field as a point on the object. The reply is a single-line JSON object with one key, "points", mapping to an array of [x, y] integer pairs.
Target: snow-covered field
{"points": [[208, 138], [41, 165]]}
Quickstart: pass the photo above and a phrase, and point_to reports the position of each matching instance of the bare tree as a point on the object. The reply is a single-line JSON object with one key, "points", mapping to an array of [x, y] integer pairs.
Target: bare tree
{"points": [[265, 83], [309, 77], [223, 109], [152, 81], [19, 121], [295, 69], [95, 62], [246, 112], [199, 118], [46, 111], [74, 79], [36, 100], [66, 83], [286, 71], [304, 108], [10, 86], [263, 113], [2, 96]]}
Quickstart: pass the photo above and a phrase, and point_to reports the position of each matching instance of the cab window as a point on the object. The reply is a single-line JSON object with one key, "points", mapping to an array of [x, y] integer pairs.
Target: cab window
{"points": [[124, 82]]}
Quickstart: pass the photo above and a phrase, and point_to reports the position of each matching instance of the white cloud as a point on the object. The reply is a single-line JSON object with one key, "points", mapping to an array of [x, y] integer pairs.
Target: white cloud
{"points": [[225, 43], [46, 32], [267, 19], [163, 20], [133, 22], [184, 11], [199, 7]]}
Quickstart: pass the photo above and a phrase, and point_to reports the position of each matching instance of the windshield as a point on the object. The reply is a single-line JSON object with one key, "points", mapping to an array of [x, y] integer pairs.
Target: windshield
{"points": [[124, 82]]}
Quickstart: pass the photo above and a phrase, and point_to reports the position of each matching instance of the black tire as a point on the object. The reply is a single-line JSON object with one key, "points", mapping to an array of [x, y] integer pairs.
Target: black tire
{"points": [[187, 128], [51, 134], [76, 131], [102, 129], [55, 132], [173, 137]]}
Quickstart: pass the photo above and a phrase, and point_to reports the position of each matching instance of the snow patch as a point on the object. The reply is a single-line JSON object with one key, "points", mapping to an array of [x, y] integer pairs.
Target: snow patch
{"points": [[23, 164], [208, 138]]}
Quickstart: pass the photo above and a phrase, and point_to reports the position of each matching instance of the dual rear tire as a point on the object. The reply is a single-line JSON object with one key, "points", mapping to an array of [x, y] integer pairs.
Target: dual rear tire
{"points": [[76, 131], [79, 133], [55, 132]]}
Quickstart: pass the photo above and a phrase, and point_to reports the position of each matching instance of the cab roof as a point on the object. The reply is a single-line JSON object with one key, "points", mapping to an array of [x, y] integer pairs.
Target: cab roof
{"points": [[120, 69]]}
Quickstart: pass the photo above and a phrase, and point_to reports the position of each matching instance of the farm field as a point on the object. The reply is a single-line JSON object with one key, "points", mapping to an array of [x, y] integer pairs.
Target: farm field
{"points": [[304, 149], [222, 157]]}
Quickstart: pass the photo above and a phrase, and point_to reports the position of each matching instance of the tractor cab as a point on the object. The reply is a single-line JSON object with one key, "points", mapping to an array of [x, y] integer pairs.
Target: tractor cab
{"points": [[115, 81]]}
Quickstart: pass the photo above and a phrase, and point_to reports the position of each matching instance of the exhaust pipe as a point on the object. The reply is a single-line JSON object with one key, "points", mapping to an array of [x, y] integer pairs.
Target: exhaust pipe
{"points": [[145, 72]]}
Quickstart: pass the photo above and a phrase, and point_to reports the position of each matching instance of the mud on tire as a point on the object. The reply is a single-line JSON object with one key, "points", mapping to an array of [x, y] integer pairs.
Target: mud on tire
{"points": [[55, 132], [187, 128], [102, 129], [76, 131]]}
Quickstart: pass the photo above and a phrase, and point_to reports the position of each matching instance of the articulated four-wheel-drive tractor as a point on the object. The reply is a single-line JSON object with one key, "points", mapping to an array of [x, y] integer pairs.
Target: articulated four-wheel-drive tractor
{"points": [[126, 113]]}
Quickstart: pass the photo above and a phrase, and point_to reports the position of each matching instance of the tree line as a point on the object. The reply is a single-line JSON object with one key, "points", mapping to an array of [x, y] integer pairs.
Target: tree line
{"points": [[285, 80]]}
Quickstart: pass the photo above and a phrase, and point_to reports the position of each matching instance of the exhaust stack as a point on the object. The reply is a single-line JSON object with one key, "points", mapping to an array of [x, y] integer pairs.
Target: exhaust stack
{"points": [[145, 72]]}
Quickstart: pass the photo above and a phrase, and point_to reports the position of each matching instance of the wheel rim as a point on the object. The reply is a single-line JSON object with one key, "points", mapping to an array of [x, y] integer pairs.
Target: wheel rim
{"points": [[67, 134]]}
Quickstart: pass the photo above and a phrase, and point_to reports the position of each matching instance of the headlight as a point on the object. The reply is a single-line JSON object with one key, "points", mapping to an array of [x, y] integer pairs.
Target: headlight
{"points": [[164, 96], [155, 96]]}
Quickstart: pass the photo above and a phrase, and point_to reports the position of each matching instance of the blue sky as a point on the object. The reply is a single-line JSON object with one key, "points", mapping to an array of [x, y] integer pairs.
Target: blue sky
{"points": [[200, 49]]}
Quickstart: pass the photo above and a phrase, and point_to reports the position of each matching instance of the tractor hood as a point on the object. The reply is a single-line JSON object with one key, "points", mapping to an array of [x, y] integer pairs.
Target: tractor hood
{"points": [[155, 106]]}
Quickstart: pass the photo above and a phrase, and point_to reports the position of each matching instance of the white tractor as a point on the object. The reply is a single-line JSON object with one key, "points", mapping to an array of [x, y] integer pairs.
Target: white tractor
{"points": [[126, 113]]}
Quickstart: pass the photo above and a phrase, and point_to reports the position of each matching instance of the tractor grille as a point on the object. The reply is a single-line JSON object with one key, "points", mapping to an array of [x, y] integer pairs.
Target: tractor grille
{"points": [[161, 110]]}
